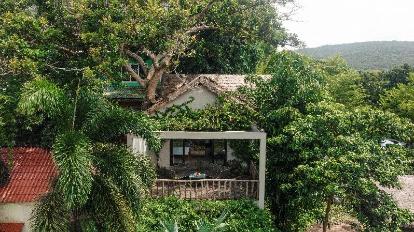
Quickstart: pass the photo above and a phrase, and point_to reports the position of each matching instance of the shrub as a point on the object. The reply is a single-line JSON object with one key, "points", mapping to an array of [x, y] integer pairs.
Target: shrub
{"points": [[243, 215]]}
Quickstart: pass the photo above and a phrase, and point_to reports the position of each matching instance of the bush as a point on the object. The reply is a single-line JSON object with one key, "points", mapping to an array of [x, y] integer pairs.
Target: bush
{"points": [[243, 215]]}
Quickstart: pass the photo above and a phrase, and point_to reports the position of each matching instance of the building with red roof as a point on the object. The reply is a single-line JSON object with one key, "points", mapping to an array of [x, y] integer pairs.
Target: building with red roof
{"points": [[31, 173]]}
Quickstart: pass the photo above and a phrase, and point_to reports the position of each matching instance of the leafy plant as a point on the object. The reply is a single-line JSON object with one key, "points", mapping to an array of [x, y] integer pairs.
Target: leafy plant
{"points": [[93, 166], [202, 226], [242, 215]]}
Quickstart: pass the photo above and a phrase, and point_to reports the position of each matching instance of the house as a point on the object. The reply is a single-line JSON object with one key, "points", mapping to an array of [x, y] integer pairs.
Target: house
{"points": [[32, 170], [198, 91], [194, 153]]}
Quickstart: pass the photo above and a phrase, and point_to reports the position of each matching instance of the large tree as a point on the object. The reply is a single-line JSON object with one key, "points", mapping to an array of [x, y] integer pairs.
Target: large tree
{"points": [[321, 152], [400, 100], [137, 39]]}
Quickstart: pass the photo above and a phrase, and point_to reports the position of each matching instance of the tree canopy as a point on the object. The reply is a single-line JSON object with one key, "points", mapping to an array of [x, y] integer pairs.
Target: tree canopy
{"points": [[139, 40]]}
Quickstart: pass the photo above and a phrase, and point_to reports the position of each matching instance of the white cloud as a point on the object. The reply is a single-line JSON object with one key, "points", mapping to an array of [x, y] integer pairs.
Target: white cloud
{"points": [[320, 22]]}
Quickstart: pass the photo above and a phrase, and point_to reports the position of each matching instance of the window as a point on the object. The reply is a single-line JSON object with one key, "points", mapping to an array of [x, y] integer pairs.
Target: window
{"points": [[179, 151], [194, 152]]}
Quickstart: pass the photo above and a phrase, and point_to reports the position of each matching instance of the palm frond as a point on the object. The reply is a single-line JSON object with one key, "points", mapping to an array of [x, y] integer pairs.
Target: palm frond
{"points": [[50, 215], [109, 123], [71, 152], [121, 165], [43, 96], [117, 217]]}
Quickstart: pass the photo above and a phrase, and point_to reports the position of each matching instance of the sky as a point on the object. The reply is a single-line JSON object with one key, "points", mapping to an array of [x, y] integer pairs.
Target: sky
{"points": [[322, 22]]}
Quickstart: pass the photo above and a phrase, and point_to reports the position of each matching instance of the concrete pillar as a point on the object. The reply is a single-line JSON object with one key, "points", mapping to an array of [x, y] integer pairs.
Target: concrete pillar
{"points": [[262, 172]]}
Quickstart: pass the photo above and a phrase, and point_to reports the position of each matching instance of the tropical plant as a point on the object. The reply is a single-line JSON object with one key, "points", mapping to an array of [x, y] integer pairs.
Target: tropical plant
{"points": [[93, 166], [202, 226], [193, 216]]}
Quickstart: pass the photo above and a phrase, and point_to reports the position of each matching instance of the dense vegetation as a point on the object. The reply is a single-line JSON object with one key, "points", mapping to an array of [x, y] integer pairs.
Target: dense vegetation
{"points": [[324, 120], [242, 215], [324, 133], [378, 55], [93, 166]]}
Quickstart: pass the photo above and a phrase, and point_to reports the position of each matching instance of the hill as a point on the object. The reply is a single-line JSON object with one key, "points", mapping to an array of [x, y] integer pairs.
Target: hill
{"points": [[376, 55]]}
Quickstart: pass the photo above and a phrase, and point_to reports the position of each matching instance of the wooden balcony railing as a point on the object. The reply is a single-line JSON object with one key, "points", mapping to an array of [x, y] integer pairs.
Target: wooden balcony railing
{"points": [[216, 189]]}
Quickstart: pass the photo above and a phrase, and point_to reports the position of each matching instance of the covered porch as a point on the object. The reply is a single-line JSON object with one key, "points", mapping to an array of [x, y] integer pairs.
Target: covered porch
{"points": [[210, 147]]}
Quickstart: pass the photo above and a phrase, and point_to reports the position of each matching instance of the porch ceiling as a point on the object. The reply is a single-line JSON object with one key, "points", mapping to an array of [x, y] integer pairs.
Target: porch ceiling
{"points": [[211, 135]]}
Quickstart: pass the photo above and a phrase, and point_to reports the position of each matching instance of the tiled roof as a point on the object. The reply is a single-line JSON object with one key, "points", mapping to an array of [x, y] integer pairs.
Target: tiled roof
{"points": [[173, 82], [11, 227], [174, 85], [30, 176]]}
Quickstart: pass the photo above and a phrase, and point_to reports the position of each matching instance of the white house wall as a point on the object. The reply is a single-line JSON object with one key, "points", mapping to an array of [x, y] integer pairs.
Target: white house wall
{"points": [[17, 213], [202, 97], [164, 155]]}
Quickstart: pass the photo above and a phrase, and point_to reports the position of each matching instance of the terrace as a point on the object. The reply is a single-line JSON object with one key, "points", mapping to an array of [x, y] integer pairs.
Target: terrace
{"points": [[194, 174]]}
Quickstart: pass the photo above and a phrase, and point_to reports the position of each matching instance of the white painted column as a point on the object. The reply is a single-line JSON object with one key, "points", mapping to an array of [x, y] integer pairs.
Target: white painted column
{"points": [[130, 140], [262, 172]]}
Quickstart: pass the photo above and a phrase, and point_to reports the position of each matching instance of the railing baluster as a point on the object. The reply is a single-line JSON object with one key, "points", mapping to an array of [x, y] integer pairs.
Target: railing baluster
{"points": [[205, 189]]}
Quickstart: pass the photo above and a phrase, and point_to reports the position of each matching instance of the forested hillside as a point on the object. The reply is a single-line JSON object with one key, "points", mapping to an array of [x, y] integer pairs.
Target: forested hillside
{"points": [[377, 55]]}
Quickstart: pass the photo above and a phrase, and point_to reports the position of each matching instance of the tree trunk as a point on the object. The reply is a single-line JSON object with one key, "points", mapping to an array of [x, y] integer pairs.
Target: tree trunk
{"points": [[327, 211], [151, 92]]}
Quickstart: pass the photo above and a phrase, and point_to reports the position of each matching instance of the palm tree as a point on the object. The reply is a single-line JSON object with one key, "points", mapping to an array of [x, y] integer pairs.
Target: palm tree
{"points": [[100, 182]]}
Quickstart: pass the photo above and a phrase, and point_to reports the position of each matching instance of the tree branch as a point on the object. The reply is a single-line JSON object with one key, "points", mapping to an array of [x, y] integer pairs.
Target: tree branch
{"points": [[139, 59], [65, 69], [6, 73], [134, 75], [70, 51], [152, 56], [196, 29], [204, 11]]}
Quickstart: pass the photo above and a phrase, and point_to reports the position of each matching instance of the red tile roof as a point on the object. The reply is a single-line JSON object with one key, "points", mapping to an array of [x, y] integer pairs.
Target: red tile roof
{"points": [[30, 176], [11, 227]]}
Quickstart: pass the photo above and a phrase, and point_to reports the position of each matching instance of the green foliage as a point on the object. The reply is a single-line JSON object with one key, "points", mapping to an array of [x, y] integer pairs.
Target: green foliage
{"points": [[343, 83], [34, 37], [50, 214], [41, 95], [100, 125], [377, 211], [295, 82], [242, 215], [71, 152], [4, 173], [378, 55], [227, 114], [340, 156], [376, 83], [373, 84], [400, 99], [93, 166], [203, 226], [118, 217], [319, 150]]}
